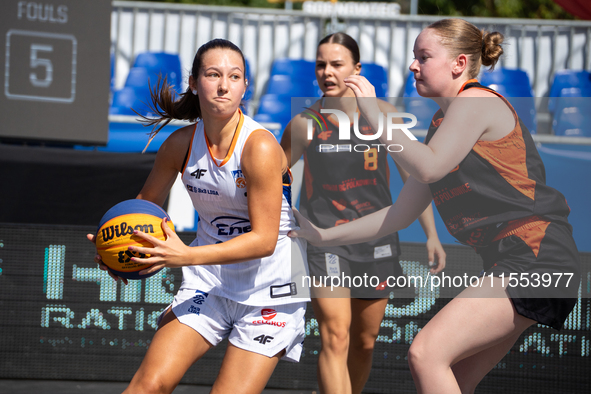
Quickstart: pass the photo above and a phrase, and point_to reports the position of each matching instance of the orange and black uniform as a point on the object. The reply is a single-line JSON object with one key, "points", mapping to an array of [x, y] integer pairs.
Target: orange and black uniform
{"points": [[497, 201], [343, 181]]}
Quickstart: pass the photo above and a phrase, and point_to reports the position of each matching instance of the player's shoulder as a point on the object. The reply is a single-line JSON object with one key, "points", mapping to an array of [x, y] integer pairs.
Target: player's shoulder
{"points": [[249, 125], [179, 139]]}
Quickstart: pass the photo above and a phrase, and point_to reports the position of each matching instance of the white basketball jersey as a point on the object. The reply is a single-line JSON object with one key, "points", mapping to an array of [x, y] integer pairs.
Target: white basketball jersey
{"points": [[218, 191]]}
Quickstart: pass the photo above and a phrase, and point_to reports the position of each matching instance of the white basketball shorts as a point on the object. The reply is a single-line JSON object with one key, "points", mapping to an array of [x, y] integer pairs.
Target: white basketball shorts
{"points": [[264, 330]]}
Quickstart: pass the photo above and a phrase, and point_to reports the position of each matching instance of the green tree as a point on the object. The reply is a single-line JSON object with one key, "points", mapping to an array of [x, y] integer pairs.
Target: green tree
{"points": [[235, 3], [538, 9]]}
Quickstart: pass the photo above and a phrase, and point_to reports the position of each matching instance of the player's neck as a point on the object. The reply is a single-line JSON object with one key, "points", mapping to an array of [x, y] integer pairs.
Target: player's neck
{"points": [[220, 132]]}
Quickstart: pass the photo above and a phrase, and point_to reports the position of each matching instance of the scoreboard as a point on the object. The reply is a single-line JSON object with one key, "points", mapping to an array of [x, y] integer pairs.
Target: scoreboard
{"points": [[56, 61]]}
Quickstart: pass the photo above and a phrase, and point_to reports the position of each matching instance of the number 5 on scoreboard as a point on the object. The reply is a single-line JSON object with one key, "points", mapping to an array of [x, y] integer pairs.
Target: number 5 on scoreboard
{"points": [[36, 61], [40, 66]]}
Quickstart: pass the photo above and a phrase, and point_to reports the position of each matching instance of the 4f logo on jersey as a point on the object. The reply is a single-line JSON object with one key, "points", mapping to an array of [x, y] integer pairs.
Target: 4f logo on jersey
{"points": [[198, 173], [263, 339], [239, 179]]}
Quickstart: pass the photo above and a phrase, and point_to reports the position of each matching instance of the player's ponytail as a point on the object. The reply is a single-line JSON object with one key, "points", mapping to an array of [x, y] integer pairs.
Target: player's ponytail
{"points": [[164, 100], [461, 37]]}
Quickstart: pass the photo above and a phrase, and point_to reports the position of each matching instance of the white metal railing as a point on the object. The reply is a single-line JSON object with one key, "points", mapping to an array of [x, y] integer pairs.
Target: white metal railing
{"points": [[538, 46]]}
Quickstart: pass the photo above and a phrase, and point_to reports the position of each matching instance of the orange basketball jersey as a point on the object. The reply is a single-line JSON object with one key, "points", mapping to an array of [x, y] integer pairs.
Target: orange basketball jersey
{"points": [[499, 187]]}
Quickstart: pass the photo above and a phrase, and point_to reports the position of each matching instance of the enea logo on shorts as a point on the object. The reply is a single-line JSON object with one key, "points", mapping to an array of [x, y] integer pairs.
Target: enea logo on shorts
{"points": [[345, 130], [268, 315], [239, 179], [231, 225]]}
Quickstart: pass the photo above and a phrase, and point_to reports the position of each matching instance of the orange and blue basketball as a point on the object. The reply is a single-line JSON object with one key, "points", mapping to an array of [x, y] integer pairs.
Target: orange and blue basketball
{"points": [[115, 235]]}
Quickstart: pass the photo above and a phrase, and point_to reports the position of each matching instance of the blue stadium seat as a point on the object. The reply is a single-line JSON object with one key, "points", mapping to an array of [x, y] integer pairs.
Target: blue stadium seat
{"points": [[248, 75], [166, 64], [275, 108], [377, 76], [293, 67], [138, 78], [521, 98], [573, 120], [566, 79], [568, 97], [410, 87], [514, 85], [126, 99], [112, 72], [512, 90], [266, 120], [301, 86], [510, 78]]}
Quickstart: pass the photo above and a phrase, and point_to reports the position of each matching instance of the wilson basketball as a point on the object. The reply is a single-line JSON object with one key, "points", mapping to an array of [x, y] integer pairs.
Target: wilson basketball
{"points": [[115, 235]]}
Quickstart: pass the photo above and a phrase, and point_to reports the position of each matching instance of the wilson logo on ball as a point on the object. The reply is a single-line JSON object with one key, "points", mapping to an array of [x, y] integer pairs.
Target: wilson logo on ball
{"points": [[120, 230]]}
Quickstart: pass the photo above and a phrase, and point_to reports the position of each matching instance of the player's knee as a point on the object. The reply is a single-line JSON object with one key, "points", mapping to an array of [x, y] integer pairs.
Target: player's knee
{"points": [[336, 338], [364, 343], [417, 356]]}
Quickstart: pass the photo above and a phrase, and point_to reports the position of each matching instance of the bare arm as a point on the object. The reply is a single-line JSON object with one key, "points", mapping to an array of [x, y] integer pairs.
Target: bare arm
{"points": [[167, 166], [473, 115], [435, 250], [293, 140], [412, 201]]}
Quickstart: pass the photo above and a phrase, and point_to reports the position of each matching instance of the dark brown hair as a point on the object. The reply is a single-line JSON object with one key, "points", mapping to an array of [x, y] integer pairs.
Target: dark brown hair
{"points": [[164, 101], [345, 40], [460, 36]]}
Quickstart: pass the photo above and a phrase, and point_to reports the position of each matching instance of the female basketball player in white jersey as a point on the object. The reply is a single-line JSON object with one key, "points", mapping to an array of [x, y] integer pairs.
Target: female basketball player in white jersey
{"points": [[236, 274], [349, 318]]}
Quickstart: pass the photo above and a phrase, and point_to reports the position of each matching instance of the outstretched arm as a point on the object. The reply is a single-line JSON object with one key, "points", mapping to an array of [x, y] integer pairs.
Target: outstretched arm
{"points": [[412, 201], [293, 140], [435, 250]]}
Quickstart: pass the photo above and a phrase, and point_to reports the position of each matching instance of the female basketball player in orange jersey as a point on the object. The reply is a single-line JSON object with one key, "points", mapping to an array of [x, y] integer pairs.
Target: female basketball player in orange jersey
{"points": [[237, 272], [349, 317], [481, 167]]}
